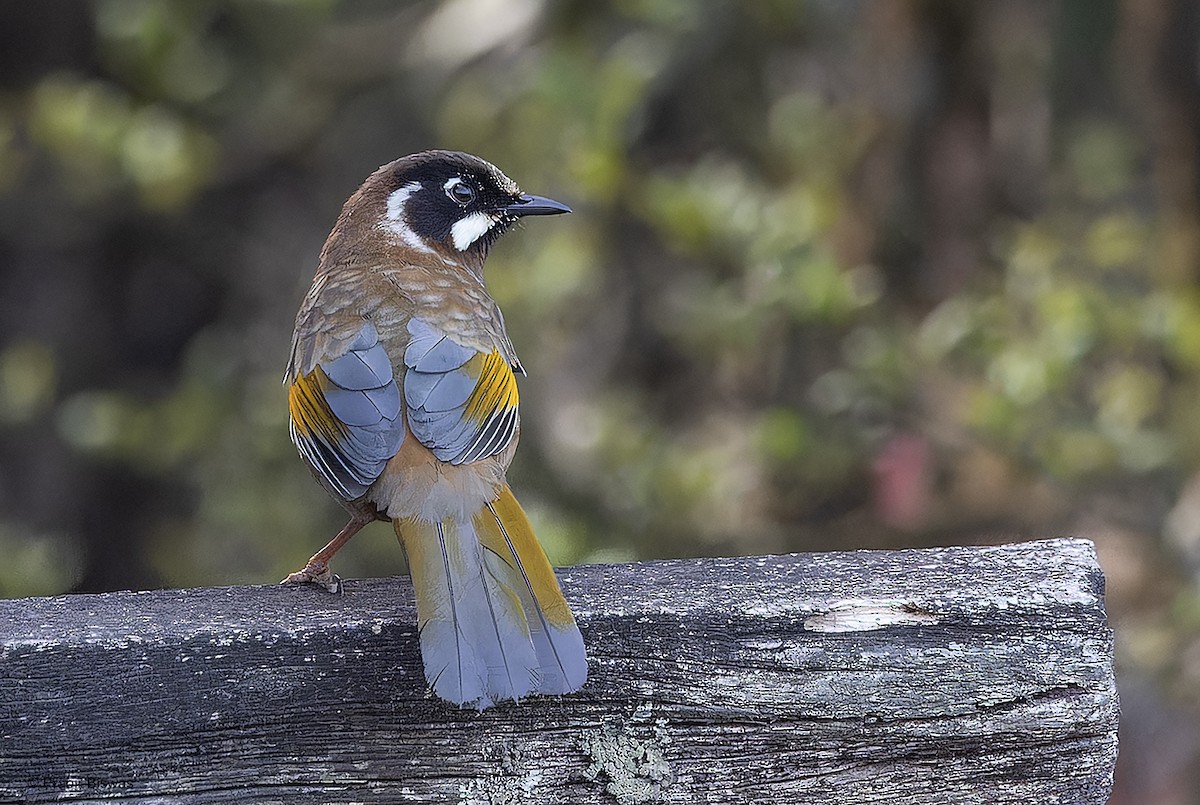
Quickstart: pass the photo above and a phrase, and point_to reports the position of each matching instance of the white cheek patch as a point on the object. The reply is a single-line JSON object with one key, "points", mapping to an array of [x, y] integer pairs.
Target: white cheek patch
{"points": [[470, 228], [396, 220]]}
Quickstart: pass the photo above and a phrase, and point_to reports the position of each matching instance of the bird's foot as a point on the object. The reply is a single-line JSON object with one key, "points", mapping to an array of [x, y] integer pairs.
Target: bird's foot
{"points": [[317, 573]]}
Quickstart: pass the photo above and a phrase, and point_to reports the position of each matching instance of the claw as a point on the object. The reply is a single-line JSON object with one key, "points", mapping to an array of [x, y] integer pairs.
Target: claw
{"points": [[317, 570], [318, 574]]}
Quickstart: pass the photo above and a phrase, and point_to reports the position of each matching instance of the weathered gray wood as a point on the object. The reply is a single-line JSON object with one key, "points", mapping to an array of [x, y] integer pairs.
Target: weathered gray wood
{"points": [[938, 676]]}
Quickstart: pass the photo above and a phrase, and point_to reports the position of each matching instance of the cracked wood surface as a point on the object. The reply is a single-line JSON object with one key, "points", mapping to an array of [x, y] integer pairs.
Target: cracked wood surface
{"points": [[933, 676]]}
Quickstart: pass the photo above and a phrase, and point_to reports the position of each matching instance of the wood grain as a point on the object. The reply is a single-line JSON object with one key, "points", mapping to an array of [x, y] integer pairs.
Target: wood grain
{"points": [[935, 676]]}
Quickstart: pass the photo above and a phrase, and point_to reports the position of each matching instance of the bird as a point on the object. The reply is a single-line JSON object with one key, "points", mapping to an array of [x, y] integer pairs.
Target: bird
{"points": [[403, 402]]}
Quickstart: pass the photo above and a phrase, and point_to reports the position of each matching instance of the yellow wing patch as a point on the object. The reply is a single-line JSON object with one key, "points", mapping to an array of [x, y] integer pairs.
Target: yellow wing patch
{"points": [[311, 414], [495, 390]]}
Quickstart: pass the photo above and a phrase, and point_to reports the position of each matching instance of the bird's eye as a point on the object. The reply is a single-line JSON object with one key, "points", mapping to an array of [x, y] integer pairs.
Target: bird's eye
{"points": [[461, 192]]}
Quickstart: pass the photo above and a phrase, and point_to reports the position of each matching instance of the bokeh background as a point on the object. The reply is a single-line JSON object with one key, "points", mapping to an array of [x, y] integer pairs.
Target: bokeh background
{"points": [[841, 275]]}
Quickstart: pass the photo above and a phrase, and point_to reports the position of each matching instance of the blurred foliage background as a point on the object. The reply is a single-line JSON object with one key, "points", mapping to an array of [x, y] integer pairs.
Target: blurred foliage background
{"points": [[842, 274]]}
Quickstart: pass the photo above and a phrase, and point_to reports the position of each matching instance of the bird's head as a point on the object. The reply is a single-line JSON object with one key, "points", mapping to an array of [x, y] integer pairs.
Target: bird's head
{"points": [[447, 203]]}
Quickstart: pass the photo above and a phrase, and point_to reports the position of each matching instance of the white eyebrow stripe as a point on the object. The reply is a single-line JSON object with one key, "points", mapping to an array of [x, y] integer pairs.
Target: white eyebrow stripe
{"points": [[398, 223], [451, 182], [470, 228]]}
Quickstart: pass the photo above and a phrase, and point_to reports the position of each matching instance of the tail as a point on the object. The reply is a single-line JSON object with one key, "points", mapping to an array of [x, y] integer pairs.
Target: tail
{"points": [[493, 622]]}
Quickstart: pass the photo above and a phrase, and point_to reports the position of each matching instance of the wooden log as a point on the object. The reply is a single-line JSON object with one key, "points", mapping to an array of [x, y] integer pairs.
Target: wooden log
{"points": [[932, 676]]}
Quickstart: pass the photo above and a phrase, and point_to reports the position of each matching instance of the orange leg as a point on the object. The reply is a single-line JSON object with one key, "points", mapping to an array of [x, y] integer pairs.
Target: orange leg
{"points": [[317, 570]]}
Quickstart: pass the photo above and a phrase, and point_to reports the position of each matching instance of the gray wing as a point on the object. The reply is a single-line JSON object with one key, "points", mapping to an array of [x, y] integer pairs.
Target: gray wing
{"points": [[462, 403], [345, 415]]}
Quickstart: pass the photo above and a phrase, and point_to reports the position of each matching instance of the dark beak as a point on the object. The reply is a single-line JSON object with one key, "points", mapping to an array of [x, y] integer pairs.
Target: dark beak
{"points": [[536, 205]]}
